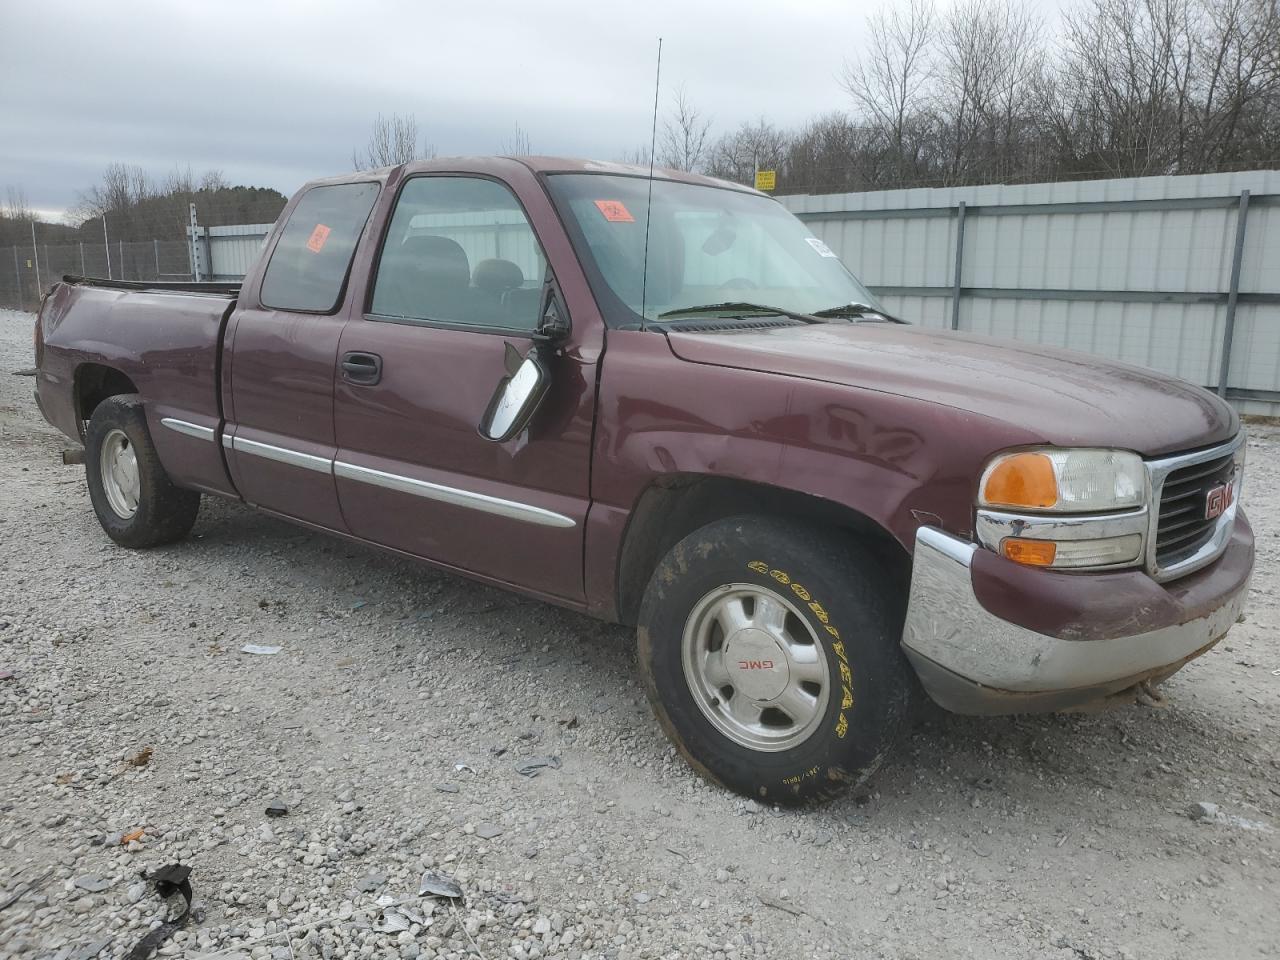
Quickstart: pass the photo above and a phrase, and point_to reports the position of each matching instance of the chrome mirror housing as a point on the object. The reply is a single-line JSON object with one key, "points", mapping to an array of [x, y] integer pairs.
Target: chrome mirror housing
{"points": [[517, 396]]}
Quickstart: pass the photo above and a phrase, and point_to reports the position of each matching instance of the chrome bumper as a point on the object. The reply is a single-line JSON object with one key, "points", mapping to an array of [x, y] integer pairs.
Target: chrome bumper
{"points": [[971, 661]]}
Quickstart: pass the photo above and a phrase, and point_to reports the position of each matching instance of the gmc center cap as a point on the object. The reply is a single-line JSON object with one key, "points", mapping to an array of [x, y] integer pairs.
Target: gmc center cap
{"points": [[757, 664]]}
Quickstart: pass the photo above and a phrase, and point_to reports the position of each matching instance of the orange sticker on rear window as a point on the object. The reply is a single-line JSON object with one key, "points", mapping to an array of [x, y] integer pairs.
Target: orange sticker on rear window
{"points": [[615, 211], [318, 236]]}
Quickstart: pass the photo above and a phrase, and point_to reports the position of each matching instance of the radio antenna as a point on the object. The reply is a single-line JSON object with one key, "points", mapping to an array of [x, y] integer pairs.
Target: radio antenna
{"points": [[648, 209]]}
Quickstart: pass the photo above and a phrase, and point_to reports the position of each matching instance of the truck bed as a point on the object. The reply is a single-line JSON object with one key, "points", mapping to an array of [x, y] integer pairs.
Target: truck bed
{"points": [[158, 286], [160, 340]]}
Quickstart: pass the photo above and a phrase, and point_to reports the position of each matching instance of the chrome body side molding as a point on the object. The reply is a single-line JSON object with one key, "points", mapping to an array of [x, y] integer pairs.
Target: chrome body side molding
{"points": [[462, 498], [270, 451], [188, 429]]}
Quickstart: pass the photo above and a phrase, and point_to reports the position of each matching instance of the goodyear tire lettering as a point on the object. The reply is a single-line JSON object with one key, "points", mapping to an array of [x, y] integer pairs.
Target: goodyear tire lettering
{"points": [[817, 609]]}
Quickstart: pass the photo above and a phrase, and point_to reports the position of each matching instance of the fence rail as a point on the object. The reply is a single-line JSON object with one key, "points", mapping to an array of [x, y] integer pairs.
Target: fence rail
{"points": [[1181, 274]]}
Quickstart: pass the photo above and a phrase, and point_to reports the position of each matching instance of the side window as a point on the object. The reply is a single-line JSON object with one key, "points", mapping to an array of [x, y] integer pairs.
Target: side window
{"points": [[309, 265], [459, 250]]}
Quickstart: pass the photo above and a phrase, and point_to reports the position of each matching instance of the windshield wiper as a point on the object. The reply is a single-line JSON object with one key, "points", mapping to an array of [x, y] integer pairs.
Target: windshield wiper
{"points": [[855, 310], [732, 306]]}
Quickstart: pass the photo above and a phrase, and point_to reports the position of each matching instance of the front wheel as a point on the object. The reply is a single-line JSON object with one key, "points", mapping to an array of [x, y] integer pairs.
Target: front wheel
{"points": [[136, 502], [770, 652]]}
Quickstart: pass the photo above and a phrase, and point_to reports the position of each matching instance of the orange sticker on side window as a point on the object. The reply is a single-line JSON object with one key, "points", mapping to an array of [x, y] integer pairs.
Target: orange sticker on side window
{"points": [[318, 236], [615, 211]]}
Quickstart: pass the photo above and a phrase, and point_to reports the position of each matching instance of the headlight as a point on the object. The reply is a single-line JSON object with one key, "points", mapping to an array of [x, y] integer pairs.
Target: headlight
{"points": [[1064, 481], [1066, 509]]}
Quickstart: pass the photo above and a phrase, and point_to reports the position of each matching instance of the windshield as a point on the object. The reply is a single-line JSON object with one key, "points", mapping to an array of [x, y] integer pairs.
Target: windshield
{"points": [[707, 245]]}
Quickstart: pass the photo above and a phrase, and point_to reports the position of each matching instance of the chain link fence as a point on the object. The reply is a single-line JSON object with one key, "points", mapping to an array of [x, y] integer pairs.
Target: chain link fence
{"points": [[26, 272]]}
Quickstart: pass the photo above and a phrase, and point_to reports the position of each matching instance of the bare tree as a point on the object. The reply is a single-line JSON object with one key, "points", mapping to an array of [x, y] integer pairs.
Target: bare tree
{"points": [[16, 206], [685, 135], [753, 146], [392, 141], [637, 156], [888, 82], [213, 180], [985, 74], [518, 144], [123, 187]]}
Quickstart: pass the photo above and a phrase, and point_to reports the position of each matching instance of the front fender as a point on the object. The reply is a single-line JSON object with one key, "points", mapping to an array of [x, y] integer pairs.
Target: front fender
{"points": [[900, 462]]}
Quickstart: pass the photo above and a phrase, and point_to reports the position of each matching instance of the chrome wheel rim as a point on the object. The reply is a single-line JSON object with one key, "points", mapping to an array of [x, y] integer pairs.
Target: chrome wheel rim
{"points": [[120, 479], [755, 667]]}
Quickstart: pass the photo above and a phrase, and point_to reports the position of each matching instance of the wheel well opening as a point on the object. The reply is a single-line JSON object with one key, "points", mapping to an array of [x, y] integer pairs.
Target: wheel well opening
{"points": [[670, 510], [96, 382]]}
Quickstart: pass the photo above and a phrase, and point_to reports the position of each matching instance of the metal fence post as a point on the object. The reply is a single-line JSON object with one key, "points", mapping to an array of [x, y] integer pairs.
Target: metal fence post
{"points": [[106, 245], [955, 286], [193, 234], [1233, 292], [82, 273], [156, 245], [35, 252], [17, 272], [120, 247]]}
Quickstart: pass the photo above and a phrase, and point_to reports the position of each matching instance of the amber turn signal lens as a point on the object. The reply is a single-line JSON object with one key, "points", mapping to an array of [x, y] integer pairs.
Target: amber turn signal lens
{"points": [[1033, 553], [1021, 480]]}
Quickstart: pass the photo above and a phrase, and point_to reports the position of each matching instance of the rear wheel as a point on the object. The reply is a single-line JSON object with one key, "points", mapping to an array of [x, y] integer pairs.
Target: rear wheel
{"points": [[770, 652], [134, 499]]}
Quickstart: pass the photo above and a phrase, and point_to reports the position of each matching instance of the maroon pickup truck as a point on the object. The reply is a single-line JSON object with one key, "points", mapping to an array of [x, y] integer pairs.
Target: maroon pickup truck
{"points": [[664, 402]]}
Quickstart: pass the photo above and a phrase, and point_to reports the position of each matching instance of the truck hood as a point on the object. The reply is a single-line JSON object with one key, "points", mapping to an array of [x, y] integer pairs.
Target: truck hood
{"points": [[1066, 398]]}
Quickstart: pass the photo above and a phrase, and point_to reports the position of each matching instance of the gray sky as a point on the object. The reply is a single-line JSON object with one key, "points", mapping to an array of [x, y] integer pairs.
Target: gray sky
{"points": [[274, 93]]}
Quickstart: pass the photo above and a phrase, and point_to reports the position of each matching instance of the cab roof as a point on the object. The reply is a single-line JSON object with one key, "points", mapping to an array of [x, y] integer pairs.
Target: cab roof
{"points": [[537, 164]]}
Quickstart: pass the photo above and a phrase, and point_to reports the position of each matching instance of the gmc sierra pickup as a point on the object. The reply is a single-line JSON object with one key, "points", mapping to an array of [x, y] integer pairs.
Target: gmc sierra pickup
{"points": [[664, 402]]}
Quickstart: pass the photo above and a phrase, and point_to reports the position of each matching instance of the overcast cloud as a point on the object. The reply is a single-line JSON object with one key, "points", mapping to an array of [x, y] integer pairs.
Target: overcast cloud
{"points": [[274, 93]]}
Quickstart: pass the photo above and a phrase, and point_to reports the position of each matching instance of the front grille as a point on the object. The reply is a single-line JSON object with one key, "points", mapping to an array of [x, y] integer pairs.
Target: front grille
{"points": [[1182, 528]]}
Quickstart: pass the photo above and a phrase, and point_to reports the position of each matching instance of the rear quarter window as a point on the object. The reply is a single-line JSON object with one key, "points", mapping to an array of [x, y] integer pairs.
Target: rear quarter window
{"points": [[308, 268]]}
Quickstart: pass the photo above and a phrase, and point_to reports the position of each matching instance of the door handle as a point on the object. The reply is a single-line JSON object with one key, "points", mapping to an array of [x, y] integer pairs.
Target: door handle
{"points": [[359, 367]]}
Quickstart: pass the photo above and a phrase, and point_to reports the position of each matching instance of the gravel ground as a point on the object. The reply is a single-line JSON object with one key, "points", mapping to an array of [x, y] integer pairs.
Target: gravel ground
{"points": [[392, 721]]}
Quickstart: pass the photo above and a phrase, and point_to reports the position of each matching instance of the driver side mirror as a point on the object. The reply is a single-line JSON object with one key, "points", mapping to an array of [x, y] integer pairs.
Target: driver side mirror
{"points": [[518, 395]]}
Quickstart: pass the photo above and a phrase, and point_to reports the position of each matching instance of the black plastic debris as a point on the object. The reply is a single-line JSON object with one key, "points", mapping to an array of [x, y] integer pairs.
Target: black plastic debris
{"points": [[277, 808], [168, 881], [535, 765], [438, 885]]}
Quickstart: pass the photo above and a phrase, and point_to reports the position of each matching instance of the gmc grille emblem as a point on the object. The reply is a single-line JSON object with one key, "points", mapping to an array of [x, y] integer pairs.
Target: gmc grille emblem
{"points": [[1217, 500], [755, 664]]}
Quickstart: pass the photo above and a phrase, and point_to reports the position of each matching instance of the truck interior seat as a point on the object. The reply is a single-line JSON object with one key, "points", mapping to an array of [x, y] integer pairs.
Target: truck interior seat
{"points": [[434, 278]]}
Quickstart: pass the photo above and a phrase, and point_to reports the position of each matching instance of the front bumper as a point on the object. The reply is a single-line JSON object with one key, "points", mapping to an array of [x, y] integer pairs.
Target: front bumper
{"points": [[971, 660]]}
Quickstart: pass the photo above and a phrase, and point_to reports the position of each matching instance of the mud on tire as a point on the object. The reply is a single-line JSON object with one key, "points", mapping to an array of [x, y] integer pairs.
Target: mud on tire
{"points": [[804, 630], [136, 502]]}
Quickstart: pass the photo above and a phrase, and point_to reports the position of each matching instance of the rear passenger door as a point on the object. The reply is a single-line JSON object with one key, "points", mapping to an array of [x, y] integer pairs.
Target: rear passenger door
{"points": [[282, 353], [460, 274]]}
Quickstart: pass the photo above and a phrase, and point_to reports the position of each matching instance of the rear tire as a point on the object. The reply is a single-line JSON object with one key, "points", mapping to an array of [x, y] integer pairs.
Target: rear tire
{"points": [[136, 502], [770, 653]]}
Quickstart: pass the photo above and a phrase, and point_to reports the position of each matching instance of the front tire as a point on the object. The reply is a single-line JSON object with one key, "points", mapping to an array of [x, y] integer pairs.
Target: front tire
{"points": [[770, 653], [134, 499]]}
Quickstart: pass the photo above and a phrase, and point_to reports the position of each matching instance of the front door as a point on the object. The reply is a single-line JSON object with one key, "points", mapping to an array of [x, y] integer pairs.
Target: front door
{"points": [[460, 274], [281, 353]]}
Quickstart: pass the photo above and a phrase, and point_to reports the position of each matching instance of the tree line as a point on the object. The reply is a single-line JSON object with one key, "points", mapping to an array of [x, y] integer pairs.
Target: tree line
{"points": [[137, 206], [980, 94]]}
